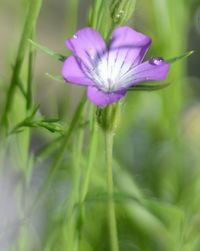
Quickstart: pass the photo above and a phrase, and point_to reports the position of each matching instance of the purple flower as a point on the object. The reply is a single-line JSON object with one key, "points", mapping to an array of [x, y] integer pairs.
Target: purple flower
{"points": [[108, 71]]}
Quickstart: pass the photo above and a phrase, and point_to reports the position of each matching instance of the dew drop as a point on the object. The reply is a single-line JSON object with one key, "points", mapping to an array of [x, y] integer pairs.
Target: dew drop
{"points": [[156, 61], [75, 36]]}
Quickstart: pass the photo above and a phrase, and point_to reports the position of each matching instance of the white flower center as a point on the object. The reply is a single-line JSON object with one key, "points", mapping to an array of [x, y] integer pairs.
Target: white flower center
{"points": [[111, 72]]}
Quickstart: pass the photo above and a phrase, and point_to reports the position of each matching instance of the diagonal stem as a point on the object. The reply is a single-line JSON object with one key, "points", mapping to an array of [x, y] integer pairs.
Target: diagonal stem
{"points": [[87, 175]]}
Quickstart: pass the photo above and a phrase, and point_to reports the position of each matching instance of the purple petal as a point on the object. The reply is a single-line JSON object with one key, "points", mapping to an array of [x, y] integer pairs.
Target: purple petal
{"points": [[101, 98], [87, 44], [129, 46], [73, 73], [152, 70]]}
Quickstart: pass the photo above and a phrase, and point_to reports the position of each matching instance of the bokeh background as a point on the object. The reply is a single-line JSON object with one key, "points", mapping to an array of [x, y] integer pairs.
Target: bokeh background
{"points": [[157, 145]]}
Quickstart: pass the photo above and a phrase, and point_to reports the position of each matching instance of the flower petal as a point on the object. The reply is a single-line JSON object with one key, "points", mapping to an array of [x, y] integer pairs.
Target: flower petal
{"points": [[101, 98], [87, 44], [129, 45], [153, 70], [73, 73]]}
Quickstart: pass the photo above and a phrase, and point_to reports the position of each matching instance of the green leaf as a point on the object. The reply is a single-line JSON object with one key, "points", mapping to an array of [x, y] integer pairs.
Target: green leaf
{"points": [[51, 125], [150, 87], [46, 50], [185, 55]]}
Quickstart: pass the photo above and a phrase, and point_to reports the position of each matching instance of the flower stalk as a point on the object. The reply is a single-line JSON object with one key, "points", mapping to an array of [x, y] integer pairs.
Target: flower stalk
{"points": [[109, 135], [108, 119]]}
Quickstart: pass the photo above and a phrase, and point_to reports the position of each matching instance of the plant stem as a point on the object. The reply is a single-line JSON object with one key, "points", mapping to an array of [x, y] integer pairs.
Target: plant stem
{"points": [[29, 100], [93, 147], [87, 175], [72, 232], [111, 206]]}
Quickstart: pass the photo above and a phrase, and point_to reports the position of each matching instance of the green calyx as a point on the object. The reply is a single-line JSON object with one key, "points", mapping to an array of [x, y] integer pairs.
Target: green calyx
{"points": [[108, 117]]}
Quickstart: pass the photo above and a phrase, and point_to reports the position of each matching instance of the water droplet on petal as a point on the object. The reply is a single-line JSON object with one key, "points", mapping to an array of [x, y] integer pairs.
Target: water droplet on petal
{"points": [[75, 36], [156, 61]]}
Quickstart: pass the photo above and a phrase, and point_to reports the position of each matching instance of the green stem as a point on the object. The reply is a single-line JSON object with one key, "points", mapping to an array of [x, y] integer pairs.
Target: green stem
{"points": [[72, 240], [92, 154], [29, 98], [86, 181], [111, 206]]}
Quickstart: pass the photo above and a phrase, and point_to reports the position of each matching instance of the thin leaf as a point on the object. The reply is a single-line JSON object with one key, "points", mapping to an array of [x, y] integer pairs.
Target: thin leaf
{"points": [[56, 77], [185, 55], [51, 125], [46, 50], [148, 87]]}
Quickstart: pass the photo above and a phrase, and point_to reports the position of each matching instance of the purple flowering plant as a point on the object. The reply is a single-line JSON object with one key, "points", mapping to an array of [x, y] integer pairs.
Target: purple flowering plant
{"points": [[91, 179], [108, 71]]}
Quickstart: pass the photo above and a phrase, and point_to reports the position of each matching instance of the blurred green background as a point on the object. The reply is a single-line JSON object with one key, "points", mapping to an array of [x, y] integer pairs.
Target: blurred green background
{"points": [[156, 150]]}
